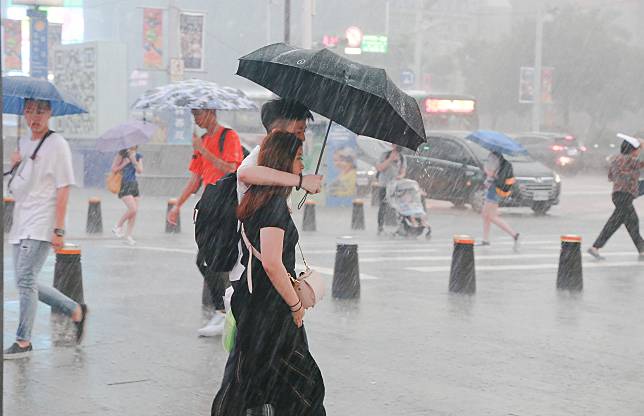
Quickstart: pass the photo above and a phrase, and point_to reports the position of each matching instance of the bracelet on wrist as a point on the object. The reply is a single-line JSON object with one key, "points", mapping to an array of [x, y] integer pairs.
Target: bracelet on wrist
{"points": [[299, 186], [297, 310], [294, 305]]}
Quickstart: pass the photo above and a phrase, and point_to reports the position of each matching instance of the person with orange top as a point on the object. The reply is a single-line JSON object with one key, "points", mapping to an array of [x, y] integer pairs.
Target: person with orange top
{"points": [[217, 153]]}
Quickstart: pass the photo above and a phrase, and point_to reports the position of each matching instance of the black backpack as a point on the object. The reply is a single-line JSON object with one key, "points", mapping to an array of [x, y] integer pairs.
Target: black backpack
{"points": [[216, 231], [504, 179]]}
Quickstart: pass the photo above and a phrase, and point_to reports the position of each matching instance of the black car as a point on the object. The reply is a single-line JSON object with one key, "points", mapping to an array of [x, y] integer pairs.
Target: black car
{"points": [[560, 151], [450, 168]]}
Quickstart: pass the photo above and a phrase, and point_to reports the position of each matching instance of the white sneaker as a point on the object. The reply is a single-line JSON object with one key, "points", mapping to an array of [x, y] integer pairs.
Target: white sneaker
{"points": [[214, 327], [130, 240], [118, 231]]}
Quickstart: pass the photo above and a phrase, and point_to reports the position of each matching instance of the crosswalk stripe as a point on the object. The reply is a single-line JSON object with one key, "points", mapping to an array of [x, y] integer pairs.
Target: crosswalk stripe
{"points": [[506, 267]]}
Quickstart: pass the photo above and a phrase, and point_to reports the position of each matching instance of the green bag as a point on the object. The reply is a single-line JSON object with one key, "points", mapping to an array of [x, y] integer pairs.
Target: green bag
{"points": [[230, 332]]}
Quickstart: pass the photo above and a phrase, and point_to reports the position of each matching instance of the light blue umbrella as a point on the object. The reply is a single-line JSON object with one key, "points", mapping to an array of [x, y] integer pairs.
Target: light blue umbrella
{"points": [[15, 89], [126, 135], [495, 141]]}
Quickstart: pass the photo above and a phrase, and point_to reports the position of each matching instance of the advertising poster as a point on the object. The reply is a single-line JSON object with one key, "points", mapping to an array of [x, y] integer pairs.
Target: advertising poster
{"points": [[12, 44], [152, 38], [39, 44], [341, 155], [526, 83], [54, 38], [191, 32]]}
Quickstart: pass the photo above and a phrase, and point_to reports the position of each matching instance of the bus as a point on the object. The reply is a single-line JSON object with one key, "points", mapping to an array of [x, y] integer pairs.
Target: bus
{"points": [[442, 111]]}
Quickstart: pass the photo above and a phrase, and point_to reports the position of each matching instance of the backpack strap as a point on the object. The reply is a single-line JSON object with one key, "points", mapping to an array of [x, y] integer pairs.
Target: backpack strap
{"points": [[251, 252], [222, 139]]}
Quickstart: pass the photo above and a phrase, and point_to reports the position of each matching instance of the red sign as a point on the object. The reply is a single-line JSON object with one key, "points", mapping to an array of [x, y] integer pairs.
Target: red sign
{"points": [[12, 44], [437, 105], [330, 41]]}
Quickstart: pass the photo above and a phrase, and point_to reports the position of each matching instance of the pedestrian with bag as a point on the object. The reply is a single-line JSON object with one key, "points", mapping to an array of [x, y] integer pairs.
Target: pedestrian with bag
{"points": [[217, 152], [275, 366], [40, 185], [624, 172], [128, 163], [391, 167], [498, 185]]}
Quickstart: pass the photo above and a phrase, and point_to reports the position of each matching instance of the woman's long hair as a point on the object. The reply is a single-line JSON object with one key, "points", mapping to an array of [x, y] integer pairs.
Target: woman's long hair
{"points": [[278, 152]]}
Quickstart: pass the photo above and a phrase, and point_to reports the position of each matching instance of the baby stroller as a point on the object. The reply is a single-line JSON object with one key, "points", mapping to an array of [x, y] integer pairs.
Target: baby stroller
{"points": [[404, 196]]}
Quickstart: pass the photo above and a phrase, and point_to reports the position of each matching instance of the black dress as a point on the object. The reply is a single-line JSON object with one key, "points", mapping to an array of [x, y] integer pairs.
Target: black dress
{"points": [[271, 363]]}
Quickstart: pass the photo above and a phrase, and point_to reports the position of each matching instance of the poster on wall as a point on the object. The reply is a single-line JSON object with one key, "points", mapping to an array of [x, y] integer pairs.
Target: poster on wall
{"points": [[12, 44], [152, 38], [75, 69], [191, 32], [38, 59], [341, 154], [54, 39]]}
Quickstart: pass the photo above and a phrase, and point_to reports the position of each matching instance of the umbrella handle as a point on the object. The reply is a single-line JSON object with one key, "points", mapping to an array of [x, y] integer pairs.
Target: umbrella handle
{"points": [[317, 168]]}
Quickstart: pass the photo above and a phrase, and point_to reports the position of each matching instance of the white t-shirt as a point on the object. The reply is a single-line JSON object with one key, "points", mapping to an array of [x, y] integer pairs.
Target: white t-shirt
{"points": [[34, 215]]}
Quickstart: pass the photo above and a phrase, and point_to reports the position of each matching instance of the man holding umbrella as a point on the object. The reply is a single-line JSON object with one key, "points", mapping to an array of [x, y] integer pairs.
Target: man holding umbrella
{"points": [[217, 153], [40, 184]]}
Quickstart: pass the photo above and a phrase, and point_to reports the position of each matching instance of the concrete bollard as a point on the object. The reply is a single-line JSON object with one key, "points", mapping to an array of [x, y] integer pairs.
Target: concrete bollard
{"points": [[462, 278], [346, 271], [172, 228], [357, 216], [94, 217], [9, 204], [68, 274], [570, 274], [308, 219]]}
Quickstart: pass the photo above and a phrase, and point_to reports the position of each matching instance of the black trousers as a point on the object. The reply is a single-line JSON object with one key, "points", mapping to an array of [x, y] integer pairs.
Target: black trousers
{"points": [[384, 206], [624, 213], [217, 282]]}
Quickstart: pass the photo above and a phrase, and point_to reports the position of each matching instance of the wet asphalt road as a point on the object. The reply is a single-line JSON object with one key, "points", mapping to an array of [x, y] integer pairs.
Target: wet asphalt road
{"points": [[406, 347]]}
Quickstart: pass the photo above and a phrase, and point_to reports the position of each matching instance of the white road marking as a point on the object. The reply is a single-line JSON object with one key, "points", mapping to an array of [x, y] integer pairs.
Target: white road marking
{"points": [[479, 257], [505, 267]]}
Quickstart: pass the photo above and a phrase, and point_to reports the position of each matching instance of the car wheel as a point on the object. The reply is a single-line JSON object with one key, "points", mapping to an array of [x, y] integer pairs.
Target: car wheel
{"points": [[540, 208], [476, 200]]}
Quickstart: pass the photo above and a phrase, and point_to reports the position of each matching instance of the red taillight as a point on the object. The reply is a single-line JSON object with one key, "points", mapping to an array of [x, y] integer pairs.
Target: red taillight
{"points": [[569, 138], [557, 148]]}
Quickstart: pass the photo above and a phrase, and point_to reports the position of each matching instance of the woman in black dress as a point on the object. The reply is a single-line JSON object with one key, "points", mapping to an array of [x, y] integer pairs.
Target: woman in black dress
{"points": [[271, 363]]}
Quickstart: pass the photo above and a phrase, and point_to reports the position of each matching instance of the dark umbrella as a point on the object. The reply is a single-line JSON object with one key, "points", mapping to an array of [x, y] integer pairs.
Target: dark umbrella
{"points": [[360, 97]]}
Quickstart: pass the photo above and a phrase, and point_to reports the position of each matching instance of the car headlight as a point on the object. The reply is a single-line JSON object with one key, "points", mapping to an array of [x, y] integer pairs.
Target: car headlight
{"points": [[557, 178]]}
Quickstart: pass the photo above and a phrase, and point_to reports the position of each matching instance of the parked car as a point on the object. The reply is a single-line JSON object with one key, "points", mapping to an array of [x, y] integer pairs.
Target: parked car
{"points": [[450, 168], [560, 151]]}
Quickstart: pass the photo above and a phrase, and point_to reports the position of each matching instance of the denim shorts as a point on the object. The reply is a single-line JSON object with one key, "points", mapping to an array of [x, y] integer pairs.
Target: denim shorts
{"points": [[491, 195]]}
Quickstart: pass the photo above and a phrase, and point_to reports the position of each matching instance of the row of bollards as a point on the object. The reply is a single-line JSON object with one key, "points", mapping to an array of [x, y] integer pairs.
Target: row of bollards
{"points": [[462, 278], [94, 216], [357, 216]]}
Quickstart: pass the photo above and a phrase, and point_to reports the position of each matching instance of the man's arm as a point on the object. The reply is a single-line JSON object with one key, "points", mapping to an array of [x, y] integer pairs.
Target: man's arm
{"points": [[217, 162], [190, 188], [62, 197], [261, 175]]}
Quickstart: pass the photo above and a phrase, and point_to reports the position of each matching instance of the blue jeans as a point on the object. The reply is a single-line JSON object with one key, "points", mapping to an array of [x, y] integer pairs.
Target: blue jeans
{"points": [[28, 258]]}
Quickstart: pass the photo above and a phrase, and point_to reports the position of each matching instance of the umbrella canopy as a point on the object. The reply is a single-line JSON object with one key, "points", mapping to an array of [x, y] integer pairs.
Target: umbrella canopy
{"points": [[195, 94], [126, 135], [495, 141], [15, 89], [360, 97]]}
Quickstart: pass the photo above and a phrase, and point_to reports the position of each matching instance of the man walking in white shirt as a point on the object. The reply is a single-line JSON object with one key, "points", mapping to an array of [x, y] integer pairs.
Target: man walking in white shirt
{"points": [[40, 185]]}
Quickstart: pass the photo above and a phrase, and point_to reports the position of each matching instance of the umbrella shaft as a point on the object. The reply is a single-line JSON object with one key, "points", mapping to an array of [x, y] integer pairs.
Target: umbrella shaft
{"points": [[326, 136]]}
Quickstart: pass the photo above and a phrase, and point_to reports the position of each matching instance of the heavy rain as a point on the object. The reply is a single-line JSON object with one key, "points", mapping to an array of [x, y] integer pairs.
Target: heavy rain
{"points": [[300, 207]]}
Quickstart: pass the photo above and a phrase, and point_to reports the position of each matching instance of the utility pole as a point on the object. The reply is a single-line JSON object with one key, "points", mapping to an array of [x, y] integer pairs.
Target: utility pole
{"points": [[536, 86], [307, 24], [287, 21]]}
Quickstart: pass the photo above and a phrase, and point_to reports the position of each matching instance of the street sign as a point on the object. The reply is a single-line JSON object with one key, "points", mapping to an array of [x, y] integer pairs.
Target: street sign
{"points": [[407, 77], [374, 44], [526, 84]]}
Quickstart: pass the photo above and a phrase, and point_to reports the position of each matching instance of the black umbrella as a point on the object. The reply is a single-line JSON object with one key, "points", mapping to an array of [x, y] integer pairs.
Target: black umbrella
{"points": [[359, 97]]}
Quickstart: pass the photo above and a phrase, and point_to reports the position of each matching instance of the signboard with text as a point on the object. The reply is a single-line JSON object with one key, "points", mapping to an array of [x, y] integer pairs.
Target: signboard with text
{"points": [[38, 57], [374, 44]]}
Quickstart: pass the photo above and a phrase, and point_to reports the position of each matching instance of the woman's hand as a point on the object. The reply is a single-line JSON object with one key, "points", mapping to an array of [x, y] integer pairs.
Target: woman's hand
{"points": [[298, 316]]}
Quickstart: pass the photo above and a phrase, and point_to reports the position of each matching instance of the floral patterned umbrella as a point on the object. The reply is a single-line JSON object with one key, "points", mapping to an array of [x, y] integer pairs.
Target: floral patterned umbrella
{"points": [[194, 94]]}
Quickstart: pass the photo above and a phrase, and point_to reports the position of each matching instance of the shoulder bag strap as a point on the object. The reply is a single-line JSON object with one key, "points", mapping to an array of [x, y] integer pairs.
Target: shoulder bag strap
{"points": [[251, 252], [33, 155], [222, 139]]}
